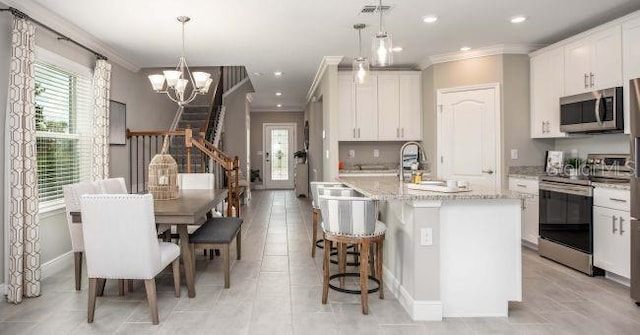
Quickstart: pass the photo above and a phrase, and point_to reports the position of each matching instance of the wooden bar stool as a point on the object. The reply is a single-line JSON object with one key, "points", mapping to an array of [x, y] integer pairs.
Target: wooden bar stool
{"points": [[352, 220], [315, 216]]}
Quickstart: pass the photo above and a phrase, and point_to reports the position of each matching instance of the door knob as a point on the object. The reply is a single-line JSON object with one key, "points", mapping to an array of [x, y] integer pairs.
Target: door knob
{"points": [[489, 171]]}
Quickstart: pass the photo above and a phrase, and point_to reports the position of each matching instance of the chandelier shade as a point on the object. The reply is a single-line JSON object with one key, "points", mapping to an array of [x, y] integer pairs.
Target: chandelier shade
{"points": [[182, 86], [382, 46], [360, 63]]}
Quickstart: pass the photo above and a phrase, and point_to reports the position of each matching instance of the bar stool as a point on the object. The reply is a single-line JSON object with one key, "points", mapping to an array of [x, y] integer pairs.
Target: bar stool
{"points": [[315, 242], [352, 220]]}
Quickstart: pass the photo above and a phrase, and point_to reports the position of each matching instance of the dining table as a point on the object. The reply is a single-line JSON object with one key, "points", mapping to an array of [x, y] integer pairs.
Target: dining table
{"points": [[190, 208]]}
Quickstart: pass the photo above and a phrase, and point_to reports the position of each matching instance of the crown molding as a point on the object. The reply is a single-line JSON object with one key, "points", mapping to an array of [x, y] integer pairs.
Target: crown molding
{"points": [[498, 49], [292, 109], [57, 22], [326, 62]]}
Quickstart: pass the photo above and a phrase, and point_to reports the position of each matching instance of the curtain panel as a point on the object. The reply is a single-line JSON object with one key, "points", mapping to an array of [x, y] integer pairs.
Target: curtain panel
{"points": [[100, 145], [24, 241]]}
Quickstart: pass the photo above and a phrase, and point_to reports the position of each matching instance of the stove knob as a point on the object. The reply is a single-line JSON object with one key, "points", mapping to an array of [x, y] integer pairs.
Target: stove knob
{"points": [[590, 161], [598, 161]]}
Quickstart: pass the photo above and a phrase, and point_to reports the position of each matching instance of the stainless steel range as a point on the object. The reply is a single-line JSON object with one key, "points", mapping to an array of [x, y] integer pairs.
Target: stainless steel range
{"points": [[566, 211]]}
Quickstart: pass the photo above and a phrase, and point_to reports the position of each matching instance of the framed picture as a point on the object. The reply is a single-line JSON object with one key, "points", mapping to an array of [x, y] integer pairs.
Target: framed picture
{"points": [[117, 123], [554, 162]]}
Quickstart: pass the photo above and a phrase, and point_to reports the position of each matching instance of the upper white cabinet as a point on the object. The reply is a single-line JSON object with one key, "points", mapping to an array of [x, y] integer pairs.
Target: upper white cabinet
{"points": [[630, 61], [594, 62], [358, 112], [387, 108], [547, 86], [399, 116]]}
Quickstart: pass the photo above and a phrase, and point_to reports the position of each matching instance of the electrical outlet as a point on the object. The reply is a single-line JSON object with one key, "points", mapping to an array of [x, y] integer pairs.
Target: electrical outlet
{"points": [[376, 153], [426, 236], [514, 153], [352, 153]]}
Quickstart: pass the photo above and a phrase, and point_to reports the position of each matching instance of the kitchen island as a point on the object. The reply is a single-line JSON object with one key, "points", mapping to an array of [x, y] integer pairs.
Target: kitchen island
{"points": [[448, 254]]}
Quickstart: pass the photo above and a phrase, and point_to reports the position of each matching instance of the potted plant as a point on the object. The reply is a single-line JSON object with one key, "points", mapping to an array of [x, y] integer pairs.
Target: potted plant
{"points": [[574, 164], [301, 156]]}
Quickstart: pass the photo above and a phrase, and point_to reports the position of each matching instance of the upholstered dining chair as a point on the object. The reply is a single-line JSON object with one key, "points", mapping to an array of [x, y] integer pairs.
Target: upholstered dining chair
{"points": [[72, 194], [315, 216], [121, 242], [113, 186], [195, 181]]}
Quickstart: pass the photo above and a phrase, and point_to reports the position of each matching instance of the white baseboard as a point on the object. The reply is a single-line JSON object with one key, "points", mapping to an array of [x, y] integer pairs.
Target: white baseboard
{"points": [[55, 265], [420, 310], [618, 279]]}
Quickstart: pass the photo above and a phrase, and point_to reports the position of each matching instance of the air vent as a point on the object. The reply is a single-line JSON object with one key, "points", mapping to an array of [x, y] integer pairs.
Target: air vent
{"points": [[374, 9]]}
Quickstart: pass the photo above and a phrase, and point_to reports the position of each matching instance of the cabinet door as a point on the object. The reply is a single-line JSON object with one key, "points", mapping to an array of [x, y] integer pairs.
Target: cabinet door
{"points": [[347, 108], [547, 73], [389, 107], [611, 240], [622, 261], [577, 65], [530, 220], [367, 110], [631, 62], [410, 108], [606, 59]]}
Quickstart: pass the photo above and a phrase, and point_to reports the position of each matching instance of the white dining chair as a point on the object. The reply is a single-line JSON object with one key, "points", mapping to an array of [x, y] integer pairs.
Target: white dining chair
{"points": [[72, 194], [113, 186], [121, 243], [195, 181]]}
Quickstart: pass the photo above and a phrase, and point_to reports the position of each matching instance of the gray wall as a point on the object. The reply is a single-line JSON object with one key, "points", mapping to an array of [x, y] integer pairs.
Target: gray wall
{"points": [[389, 153], [326, 94], [235, 138], [145, 110], [260, 118], [313, 113], [594, 144]]}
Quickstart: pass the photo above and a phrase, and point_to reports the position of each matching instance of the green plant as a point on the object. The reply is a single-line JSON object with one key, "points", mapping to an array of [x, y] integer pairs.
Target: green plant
{"points": [[300, 154], [574, 163]]}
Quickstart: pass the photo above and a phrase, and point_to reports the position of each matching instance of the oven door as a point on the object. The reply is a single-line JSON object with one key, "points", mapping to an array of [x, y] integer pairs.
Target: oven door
{"points": [[566, 215]]}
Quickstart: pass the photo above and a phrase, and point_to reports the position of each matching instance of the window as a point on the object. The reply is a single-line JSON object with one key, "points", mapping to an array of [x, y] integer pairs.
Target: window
{"points": [[63, 130]]}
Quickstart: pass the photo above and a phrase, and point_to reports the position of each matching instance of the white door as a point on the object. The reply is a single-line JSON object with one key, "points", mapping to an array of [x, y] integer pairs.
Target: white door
{"points": [[468, 136], [279, 146]]}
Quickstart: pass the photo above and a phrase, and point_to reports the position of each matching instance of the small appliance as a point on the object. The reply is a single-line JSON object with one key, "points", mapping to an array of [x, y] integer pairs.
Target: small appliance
{"points": [[593, 112]]}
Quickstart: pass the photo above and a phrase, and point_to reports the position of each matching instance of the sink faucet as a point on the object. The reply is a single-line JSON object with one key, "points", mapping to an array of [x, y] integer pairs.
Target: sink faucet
{"points": [[420, 148]]}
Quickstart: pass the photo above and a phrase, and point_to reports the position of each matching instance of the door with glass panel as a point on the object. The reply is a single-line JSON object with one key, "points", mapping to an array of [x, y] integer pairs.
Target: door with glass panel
{"points": [[279, 146]]}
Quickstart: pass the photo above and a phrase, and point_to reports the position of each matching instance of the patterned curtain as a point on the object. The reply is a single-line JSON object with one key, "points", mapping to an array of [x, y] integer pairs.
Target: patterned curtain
{"points": [[100, 148], [24, 240]]}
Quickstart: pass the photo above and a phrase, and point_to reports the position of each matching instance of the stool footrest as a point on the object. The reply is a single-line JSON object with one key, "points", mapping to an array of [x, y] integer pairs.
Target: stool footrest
{"points": [[352, 274]]}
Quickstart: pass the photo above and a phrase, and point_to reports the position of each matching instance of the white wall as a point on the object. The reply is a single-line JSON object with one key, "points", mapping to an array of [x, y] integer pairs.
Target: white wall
{"points": [[327, 96], [594, 144]]}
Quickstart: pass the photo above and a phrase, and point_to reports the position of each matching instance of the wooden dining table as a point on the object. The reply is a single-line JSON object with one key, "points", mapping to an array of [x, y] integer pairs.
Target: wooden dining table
{"points": [[190, 208]]}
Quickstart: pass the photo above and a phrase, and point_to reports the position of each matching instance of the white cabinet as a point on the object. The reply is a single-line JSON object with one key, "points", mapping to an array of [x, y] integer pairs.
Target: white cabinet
{"points": [[630, 61], [358, 109], [611, 230], [530, 207], [594, 62], [387, 108], [547, 86], [302, 179]]}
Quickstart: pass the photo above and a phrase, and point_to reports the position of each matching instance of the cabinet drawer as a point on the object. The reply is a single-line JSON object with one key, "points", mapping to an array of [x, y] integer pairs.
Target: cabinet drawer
{"points": [[529, 186], [612, 198]]}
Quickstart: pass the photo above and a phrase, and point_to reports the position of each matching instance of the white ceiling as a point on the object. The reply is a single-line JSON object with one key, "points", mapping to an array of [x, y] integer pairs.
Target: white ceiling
{"points": [[292, 36]]}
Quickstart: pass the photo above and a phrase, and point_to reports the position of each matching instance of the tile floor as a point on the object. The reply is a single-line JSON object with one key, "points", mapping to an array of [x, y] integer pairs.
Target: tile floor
{"points": [[275, 289]]}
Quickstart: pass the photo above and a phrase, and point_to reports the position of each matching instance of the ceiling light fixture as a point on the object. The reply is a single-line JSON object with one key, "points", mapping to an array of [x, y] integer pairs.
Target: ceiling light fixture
{"points": [[465, 48], [397, 49], [382, 45], [178, 80], [360, 63], [518, 19], [279, 105], [257, 74], [430, 19], [278, 73], [278, 94]]}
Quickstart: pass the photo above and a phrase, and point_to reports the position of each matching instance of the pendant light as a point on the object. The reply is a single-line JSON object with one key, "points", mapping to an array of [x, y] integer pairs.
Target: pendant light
{"points": [[360, 63], [382, 44]]}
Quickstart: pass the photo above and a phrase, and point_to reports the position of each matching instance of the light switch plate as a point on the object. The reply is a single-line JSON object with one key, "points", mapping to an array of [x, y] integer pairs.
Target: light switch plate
{"points": [[376, 153], [352, 153], [426, 236], [514, 153]]}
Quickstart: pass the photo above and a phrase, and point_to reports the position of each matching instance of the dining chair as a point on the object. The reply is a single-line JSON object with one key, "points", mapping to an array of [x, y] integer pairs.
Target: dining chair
{"points": [[72, 194], [195, 181], [121, 242], [113, 186]]}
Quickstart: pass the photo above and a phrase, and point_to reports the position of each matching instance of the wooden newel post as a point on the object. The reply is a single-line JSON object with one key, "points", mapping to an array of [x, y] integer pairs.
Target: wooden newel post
{"points": [[229, 191], [236, 168], [188, 143]]}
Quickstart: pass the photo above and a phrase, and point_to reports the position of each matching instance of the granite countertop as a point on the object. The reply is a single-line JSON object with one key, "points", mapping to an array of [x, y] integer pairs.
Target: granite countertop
{"points": [[390, 188], [526, 172], [617, 186]]}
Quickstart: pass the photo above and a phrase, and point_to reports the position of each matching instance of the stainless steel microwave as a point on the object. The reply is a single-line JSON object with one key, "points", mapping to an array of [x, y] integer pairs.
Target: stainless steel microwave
{"points": [[593, 112]]}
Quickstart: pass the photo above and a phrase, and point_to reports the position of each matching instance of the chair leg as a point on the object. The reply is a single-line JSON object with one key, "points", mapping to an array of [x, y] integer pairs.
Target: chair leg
{"points": [[176, 275], [225, 260], [101, 282], [150, 287], [342, 261], [77, 258], [239, 245], [192, 249], [379, 252], [210, 253], [372, 259], [121, 287], [364, 272], [325, 261], [130, 284], [314, 234], [93, 292]]}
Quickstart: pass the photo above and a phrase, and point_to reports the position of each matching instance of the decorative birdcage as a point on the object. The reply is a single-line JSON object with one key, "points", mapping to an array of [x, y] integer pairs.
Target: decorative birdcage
{"points": [[163, 175]]}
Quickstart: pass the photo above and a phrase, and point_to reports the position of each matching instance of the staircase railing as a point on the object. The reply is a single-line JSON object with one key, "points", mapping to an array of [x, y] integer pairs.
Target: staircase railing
{"points": [[143, 145]]}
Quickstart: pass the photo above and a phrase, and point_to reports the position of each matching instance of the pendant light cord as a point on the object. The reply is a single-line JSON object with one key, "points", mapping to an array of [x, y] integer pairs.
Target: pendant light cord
{"points": [[360, 42], [380, 10]]}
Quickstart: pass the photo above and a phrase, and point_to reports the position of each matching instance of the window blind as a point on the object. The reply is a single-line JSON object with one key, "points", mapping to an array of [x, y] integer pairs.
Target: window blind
{"points": [[63, 130]]}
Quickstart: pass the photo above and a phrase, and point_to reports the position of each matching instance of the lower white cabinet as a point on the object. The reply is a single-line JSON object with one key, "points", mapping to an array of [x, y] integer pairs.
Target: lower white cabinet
{"points": [[611, 240], [530, 207]]}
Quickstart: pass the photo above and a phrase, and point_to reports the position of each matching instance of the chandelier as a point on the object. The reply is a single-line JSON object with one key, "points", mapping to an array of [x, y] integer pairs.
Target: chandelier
{"points": [[382, 45], [180, 79]]}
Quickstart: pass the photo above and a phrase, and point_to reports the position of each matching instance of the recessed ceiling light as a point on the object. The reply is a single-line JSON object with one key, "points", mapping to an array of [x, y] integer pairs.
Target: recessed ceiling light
{"points": [[518, 19], [397, 49], [279, 105], [257, 74], [465, 48], [278, 94], [430, 19], [277, 73]]}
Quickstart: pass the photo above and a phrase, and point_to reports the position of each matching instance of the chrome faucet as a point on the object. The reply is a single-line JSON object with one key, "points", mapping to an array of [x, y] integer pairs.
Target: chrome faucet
{"points": [[424, 161]]}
